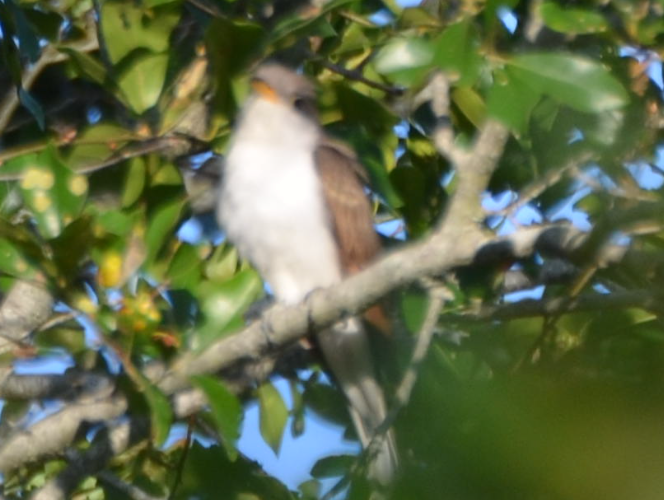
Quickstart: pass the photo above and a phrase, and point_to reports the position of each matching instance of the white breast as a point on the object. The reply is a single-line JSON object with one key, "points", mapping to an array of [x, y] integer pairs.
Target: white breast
{"points": [[271, 205]]}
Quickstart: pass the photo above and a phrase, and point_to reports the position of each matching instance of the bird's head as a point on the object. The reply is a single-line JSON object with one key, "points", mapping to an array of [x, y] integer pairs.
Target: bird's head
{"points": [[280, 84]]}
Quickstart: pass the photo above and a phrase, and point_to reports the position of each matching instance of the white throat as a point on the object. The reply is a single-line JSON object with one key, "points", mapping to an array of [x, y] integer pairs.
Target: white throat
{"points": [[275, 123], [272, 206]]}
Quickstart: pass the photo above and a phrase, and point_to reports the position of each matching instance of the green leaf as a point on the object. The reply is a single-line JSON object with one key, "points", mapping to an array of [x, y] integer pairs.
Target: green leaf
{"points": [[168, 174], [405, 59], [134, 182], [470, 103], [226, 410], [71, 247], [162, 223], [128, 26], [572, 21], [71, 339], [161, 414], [273, 415], [54, 193], [224, 304], [353, 39], [18, 165], [222, 263], [512, 101], [305, 25], [86, 65], [13, 261], [157, 3], [418, 18], [143, 80], [297, 425], [311, 489], [115, 222], [457, 52], [96, 143], [578, 82], [184, 270], [414, 306], [333, 466], [326, 401]]}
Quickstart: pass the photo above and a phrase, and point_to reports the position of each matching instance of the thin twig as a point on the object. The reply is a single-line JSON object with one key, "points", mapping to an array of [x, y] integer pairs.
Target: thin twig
{"points": [[183, 459], [131, 151], [548, 179], [438, 93], [356, 76], [437, 295], [648, 300]]}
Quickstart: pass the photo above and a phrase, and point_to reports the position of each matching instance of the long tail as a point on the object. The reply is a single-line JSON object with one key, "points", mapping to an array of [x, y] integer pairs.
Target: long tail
{"points": [[346, 350]]}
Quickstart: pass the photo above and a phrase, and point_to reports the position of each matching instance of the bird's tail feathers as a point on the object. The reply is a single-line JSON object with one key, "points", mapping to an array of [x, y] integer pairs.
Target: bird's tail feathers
{"points": [[346, 350]]}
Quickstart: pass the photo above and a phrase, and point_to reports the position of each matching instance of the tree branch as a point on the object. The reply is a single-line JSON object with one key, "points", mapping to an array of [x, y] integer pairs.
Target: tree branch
{"points": [[355, 75], [72, 384], [27, 305], [44, 438], [643, 299]]}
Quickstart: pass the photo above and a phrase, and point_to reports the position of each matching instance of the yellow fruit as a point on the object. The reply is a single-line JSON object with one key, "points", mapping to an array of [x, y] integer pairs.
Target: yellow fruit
{"points": [[110, 270]]}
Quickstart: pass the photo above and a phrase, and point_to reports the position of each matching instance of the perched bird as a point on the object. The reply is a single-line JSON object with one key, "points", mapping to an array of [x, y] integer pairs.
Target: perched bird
{"points": [[293, 203]]}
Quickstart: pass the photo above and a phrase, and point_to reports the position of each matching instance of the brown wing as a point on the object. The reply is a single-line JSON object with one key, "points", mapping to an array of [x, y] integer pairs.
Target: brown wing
{"points": [[349, 207]]}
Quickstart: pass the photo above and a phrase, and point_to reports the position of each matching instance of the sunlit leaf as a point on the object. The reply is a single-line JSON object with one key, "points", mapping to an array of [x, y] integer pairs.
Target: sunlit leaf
{"points": [[456, 52], [470, 103], [572, 20], [577, 81], [512, 101], [135, 182], [54, 193], [127, 26], [162, 223], [273, 415], [87, 65], [223, 304], [184, 270], [142, 81], [222, 263], [405, 59]]}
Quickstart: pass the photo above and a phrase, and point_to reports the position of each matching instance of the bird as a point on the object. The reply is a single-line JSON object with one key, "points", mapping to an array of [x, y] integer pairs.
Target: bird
{"points": [[292, 200]]}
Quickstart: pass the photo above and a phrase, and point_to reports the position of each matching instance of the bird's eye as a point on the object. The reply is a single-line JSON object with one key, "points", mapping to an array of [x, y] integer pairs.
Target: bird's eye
{"points": [[304, 105]]}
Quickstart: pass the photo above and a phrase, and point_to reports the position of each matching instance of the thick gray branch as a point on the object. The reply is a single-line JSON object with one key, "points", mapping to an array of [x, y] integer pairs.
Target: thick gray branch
{"points": [[73, 384], [44, 438], [27, 305]]}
